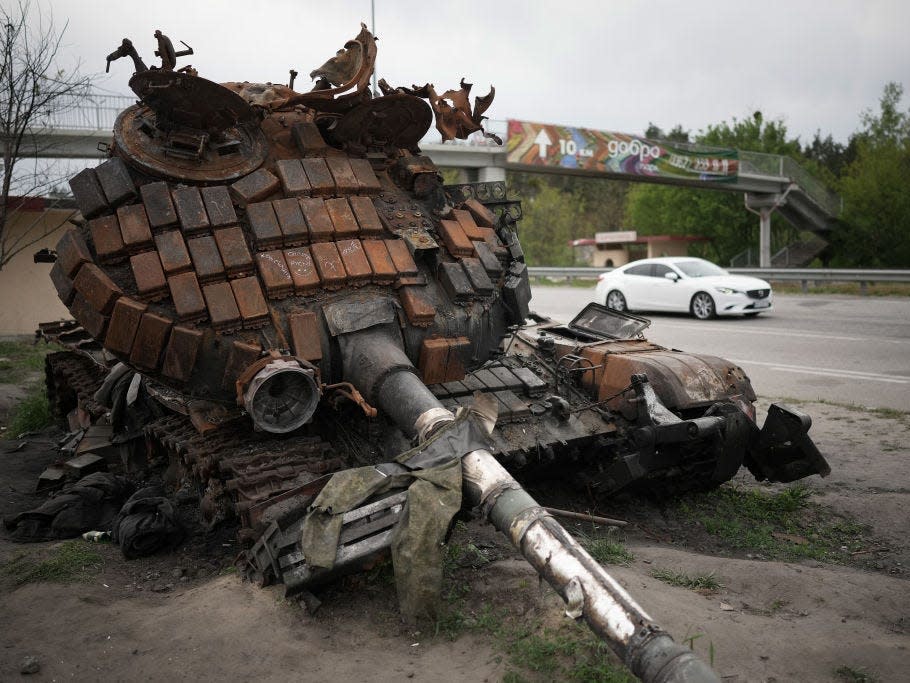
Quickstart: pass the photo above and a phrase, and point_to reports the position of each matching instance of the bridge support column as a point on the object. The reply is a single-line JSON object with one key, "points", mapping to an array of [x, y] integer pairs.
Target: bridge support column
{"points": [[764, 205]]}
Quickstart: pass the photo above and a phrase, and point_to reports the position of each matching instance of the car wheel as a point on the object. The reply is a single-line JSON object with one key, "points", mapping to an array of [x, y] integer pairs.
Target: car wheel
{"points": [[616, 300], [702, 306]]}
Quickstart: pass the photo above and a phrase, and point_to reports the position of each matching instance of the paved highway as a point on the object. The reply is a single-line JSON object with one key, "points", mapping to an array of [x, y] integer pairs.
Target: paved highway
{"points": [[837, 348]]}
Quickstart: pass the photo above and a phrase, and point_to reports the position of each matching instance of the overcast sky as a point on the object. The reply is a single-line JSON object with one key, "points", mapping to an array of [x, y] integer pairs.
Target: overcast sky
{"points": [[609, 64]]}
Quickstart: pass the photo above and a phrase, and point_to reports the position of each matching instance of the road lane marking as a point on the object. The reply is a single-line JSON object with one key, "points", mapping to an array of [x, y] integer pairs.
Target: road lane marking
{"points": [[783, 333], [829, 372]]}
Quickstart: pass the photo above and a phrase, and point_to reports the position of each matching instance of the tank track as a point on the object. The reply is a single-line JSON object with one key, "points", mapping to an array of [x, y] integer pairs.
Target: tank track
{"points": [[238, 472], [72, 380]]}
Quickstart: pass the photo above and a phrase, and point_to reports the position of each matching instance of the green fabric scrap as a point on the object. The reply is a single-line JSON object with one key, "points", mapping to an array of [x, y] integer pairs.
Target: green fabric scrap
{"points": [[434, 496]]}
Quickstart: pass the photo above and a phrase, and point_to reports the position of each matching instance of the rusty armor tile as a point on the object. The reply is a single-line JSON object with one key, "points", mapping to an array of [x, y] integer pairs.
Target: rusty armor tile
{"points": [[234, 252], [367, 218], [384, 272], [218, 206], [62, 284], [477, 274], [158, 205], [355, 262], [124, 323], [490, 237], [187, 297], [190, 210], [182, 350], [455, 281], [206, 258], [321, 182], [97, 288], [329, 265], [264, 225], [401, 257], [149, 275], [72, 252], [417, 305], [173, 253], [305, 339], [275, 274], [366, 177], [223, 311], [240, 357], [293, 179], [342, 218], [254, 311], [481, 214], [90, 319], [88, 193], [308, 138], [466, 221], [455, 239], [345, 180], [150, 340], [106, 236], [115, 181], [134, 227], [486, 256], [303, 270], [434, 355], [317, 218], [291, 221], [255, 187], [459, 355]]}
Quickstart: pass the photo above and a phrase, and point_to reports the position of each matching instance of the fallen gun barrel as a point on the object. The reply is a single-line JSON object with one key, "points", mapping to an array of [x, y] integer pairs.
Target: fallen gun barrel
{"points": [[589, 591]]}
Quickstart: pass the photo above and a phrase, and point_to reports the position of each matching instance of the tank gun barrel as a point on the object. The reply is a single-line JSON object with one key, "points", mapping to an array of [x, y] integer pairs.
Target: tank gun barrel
{"points": [[379, 368]]}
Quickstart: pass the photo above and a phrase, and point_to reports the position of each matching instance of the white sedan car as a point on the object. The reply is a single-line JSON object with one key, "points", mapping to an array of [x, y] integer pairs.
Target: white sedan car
{"points": [[682, 284]]}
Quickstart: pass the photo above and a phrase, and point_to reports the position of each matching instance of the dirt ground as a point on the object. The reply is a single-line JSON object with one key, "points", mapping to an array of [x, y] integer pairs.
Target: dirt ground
{"points": [[187, 616]]}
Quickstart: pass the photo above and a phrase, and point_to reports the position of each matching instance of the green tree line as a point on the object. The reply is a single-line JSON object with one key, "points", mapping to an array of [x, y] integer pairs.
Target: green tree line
{"points": [[871, 172]]}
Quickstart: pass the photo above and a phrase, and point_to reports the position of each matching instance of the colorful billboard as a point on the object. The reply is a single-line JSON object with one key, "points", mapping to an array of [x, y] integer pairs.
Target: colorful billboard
{"points": [[538, 144]]}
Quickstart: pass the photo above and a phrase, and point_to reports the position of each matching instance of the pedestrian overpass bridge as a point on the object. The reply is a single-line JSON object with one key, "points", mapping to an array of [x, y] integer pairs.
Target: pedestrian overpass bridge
{"points": [[769, 182]]}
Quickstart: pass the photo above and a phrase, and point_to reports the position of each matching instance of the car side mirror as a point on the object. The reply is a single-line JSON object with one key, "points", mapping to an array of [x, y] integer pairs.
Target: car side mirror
{"points": [[671, 276]]}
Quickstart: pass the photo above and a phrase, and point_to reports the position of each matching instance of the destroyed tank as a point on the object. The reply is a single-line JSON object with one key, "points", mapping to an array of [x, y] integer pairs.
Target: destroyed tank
{"points": [[299, 293]]}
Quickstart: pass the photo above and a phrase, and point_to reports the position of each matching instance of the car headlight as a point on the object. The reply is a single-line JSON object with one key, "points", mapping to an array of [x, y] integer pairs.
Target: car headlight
{"points": [[727, 290]]}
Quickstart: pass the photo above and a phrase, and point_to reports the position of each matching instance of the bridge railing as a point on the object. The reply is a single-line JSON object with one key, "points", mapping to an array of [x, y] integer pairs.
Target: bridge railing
{"points": [[778, 165], [97, 111]]}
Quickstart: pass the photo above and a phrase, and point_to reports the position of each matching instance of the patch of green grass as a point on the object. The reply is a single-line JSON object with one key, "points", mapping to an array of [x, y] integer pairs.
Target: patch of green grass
{"points": [[607, 551], [31, 414], [783, 525], [19, 359], [852, 675], [577, 282], [70, 561], [704, 582], [569, 653]]}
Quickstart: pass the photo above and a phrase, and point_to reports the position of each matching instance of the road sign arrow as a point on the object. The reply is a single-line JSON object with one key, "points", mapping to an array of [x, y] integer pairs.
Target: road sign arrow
{"points": [[543, 141]]}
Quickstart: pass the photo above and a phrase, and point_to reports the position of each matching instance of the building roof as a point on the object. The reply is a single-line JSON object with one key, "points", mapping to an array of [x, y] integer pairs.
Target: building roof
{"points": [[642, 239]]}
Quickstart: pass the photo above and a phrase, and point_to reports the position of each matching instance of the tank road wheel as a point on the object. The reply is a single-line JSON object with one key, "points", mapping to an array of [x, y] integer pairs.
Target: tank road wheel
{"points": [[702, 306], [616, 301]]}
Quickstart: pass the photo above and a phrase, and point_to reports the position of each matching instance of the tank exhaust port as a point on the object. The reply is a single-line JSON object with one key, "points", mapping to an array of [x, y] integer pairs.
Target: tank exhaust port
{"points": [[280, 393]]}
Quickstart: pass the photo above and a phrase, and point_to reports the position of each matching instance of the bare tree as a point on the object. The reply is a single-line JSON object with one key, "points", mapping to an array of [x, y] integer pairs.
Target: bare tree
{"points": [[33, 90]]}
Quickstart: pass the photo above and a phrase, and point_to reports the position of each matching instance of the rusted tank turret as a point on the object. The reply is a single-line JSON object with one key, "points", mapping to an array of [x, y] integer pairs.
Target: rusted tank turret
{"points": [[301, 294]]}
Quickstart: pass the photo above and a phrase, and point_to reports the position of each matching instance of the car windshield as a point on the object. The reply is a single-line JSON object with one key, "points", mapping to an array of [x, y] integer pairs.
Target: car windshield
{"points": [[699, 268]]}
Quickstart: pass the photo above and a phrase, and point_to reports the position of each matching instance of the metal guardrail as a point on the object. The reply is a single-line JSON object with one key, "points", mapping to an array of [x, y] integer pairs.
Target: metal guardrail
{"points": [[779, 274]]}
